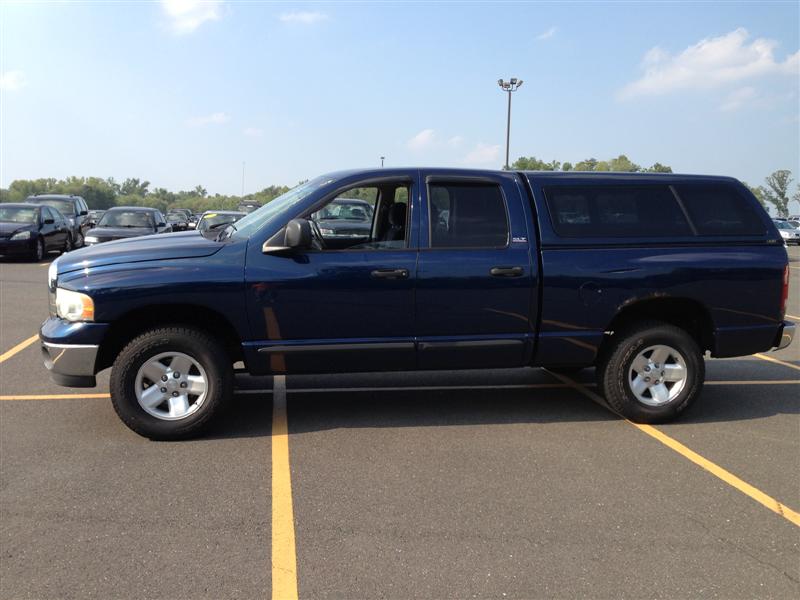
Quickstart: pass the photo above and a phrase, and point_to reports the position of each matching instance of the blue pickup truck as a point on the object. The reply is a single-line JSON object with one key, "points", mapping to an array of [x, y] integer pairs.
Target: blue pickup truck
{"points": [[637, 275]]}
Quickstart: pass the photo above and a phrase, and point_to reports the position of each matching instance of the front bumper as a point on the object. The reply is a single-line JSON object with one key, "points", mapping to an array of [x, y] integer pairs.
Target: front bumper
{"points": [[69, 351], [70, 365], [17, 247], [785, 335]]}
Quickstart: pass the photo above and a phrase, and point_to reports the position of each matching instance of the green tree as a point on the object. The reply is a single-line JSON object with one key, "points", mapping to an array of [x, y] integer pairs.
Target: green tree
{"points": [[623, 164], [659, 168], [531, 163], [590, 164], [777, 191], [758, 192], [133, 186]]}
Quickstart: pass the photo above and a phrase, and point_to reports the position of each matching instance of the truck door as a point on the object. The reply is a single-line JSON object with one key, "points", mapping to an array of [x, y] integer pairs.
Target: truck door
{"points": [[476, 277], [347, 306]]}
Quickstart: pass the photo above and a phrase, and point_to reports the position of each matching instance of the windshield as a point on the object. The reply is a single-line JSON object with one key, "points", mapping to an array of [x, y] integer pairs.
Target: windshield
{"points": [[16, 214], [783, 225], [216, 220], [65, 207], [126, 218], [258, 218], [172, 217]]}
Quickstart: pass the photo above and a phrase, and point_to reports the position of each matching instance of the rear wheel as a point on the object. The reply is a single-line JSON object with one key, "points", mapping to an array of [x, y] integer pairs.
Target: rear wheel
{"points": [[169, 383], [653, 372]]}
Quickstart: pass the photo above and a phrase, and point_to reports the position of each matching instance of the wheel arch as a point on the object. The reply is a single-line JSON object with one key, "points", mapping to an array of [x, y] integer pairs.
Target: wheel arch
{"points": [[137, 321], [686, 313]]}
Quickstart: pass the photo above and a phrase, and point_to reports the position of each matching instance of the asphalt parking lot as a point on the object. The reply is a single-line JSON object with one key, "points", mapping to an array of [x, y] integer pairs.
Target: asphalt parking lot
{"points": [[487, 484]]}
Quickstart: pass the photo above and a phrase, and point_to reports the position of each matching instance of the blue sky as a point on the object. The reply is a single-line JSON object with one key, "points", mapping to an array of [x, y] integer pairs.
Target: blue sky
{"points": [[182, 92]]}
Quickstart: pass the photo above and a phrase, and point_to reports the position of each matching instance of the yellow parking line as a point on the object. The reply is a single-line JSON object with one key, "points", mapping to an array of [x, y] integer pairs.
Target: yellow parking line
{"points": [[284, 557], [56, 397], [18, 348], [713, 468], [779, 362]]}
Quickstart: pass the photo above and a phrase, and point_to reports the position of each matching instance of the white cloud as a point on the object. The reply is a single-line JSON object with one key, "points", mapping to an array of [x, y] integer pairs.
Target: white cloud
{"points": [[483, 154], [217, 118], [304, 17], [253, 132], [546, 35], [738, 99], [455, 141], [12, 81], [422, 140], [187, 15], [712, 62]]}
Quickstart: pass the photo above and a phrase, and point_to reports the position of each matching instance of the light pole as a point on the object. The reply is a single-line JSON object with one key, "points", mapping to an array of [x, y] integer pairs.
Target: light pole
{"points": [[382, 157], [512, 85]]}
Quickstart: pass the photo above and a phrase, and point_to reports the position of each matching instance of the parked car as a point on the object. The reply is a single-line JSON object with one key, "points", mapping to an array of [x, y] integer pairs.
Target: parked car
{"points": [[248, 206], [789, 233], [215, 220], [95, 216], [345, 221], [178, 221], [656, 270], [32, 231], [73, 208], [127, 222]]}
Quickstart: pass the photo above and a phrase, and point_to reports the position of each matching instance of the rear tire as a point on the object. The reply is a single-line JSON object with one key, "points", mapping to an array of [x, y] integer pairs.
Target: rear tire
{"points": [[652, 373], [165, 403]]}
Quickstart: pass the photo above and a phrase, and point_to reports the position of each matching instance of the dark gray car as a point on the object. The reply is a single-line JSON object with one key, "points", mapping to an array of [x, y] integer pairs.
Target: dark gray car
{"points": [[127, 222]]}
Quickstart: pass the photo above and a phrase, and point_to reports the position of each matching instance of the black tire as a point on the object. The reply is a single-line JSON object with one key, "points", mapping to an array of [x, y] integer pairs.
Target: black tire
{"points": [[38, 251], [67, 244], [78, 241], [195, 343], [613, 371]]}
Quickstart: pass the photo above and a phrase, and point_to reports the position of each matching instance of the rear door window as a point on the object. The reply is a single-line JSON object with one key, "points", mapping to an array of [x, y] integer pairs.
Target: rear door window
{"points": [[616, 211], [720, 210], [467, 216]]}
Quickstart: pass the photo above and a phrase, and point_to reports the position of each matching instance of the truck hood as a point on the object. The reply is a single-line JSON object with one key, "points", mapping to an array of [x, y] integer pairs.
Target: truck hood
{"points": [[161, 246]]}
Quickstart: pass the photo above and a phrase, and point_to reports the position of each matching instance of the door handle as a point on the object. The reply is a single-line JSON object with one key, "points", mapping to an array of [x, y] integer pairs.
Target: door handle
{"points": [[389, 274], [506, 271]]}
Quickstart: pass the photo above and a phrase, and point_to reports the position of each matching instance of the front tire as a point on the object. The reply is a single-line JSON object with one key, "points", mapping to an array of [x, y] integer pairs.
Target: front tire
{"points": [[38, 250], [67, 244], [653, 372], [169, 383]]}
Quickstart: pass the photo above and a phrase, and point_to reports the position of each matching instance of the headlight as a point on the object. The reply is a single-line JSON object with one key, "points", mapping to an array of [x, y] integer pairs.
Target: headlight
{"points": [[90, 239], [74, 306], [22, 235], [52, 274], [71, 221]]}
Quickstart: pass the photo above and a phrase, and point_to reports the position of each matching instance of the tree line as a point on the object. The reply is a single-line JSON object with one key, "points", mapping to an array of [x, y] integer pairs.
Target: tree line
{"points": [[776, 191], [102, 193]]}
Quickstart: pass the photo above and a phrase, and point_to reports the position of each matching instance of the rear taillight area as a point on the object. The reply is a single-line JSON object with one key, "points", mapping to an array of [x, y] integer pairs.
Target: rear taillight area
{"points": [[785, 290]]}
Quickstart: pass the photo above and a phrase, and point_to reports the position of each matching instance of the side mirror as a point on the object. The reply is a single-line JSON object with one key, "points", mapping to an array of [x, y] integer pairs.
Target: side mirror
{"points": [[49, 221], [83, 213], [296, 237], [162, 224], [298, 234]]}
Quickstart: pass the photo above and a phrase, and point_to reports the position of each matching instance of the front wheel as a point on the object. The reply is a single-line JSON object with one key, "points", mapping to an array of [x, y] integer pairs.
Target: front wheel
{"points": [[38, 250], [169, 383], [67, 244], [653, 372]]}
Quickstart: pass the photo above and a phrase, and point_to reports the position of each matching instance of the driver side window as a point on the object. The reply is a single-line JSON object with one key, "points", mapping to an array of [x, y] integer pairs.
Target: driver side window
{"points": [[364, 218]]}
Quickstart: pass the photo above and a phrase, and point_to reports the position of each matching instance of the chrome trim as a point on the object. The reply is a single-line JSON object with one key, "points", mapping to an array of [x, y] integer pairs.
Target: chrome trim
{"points": [[70, 359], [786, 335]]}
